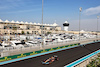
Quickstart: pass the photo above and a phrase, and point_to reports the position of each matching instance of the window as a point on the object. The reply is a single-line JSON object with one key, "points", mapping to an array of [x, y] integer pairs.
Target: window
{"points": [[5, 27], [28, 28], [50, 28], [10, 27]]}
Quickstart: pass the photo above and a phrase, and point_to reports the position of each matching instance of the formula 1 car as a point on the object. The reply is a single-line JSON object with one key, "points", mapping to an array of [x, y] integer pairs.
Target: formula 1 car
{"points": [[50, 60]]}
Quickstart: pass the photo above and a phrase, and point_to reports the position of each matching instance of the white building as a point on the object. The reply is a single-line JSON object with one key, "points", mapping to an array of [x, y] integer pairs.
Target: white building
{"points": [[66, 25]]}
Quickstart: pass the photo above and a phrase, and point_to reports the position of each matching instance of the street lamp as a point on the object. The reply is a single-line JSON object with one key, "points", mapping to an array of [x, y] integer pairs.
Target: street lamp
{"points": [[80, 9], [42, 25], [97, 25]]}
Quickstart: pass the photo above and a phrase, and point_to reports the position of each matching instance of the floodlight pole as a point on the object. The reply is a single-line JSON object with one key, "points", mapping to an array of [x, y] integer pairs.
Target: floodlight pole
{"points": [[42, 26], [80, 9], [97, 25]]}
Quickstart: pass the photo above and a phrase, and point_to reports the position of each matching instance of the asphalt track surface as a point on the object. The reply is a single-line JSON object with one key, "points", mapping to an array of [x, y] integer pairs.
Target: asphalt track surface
{"points": [[65, 57]]}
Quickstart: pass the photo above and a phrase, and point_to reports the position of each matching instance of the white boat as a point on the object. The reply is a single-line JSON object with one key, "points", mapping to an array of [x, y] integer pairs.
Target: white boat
{"points": [[32, 43], [17, 44]]}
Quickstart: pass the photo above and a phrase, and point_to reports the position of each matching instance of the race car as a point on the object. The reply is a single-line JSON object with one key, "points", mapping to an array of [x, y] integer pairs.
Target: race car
{"points": [[50, 60]]}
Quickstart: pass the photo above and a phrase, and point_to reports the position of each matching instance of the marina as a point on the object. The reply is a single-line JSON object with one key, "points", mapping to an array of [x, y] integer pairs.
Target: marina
{"points": [[17, 46]]}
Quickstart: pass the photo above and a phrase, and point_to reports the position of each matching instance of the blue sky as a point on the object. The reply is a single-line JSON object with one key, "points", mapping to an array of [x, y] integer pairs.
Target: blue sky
{"points": [[59, 10]]}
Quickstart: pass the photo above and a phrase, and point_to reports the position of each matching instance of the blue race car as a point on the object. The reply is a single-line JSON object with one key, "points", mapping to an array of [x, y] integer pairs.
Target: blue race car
{"points": [[50, 60]]}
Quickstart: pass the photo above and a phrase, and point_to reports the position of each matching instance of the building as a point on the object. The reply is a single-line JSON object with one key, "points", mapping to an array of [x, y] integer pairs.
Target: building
{"points": [[66, 25], [12, 27]]}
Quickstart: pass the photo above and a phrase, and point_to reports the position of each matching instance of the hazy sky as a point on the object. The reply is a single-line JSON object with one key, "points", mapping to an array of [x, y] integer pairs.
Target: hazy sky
{"points": [[59, 10]]}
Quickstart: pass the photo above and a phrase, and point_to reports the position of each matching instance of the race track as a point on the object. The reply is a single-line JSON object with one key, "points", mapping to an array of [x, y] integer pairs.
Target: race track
{"points": [[65, 57]]}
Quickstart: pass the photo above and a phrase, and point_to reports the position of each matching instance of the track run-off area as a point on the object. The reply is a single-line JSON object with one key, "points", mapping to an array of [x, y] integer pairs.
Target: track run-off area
{"points": [[65, 57]]}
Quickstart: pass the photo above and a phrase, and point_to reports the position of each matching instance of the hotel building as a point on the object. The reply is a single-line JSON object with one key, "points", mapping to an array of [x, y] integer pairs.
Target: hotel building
{"points": [[12, 27]]}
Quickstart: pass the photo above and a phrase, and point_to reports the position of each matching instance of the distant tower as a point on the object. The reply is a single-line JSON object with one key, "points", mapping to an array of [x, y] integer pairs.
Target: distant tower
{"points": [[66, 25]]}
